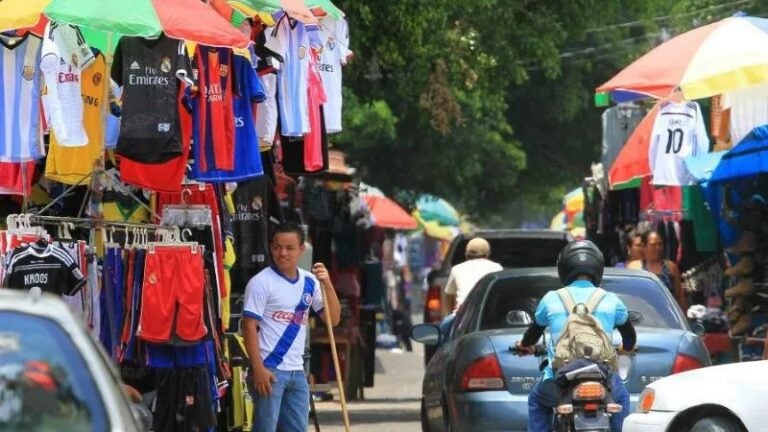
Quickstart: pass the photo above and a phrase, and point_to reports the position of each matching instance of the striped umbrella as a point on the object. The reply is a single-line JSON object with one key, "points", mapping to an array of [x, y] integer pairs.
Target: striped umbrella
{"points": [[709, 60]]}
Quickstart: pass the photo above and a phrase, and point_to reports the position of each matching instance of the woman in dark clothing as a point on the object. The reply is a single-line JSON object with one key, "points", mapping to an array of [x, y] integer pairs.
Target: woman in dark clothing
{"points": [[634, 245], [654, 262]]}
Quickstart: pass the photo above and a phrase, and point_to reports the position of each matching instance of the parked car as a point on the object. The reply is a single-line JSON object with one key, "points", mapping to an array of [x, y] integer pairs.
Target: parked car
{"points": [[475, 382], [53, 376], [512, 248], [727, 398]]}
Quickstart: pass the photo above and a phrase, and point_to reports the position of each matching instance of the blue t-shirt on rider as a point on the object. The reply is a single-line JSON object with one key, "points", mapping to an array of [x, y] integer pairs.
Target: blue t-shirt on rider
{"points": [[611, 312]]}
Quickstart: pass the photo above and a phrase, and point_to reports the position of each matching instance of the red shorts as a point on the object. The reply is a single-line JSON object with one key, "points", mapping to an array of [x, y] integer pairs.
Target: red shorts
{"points": [[172, 297]]}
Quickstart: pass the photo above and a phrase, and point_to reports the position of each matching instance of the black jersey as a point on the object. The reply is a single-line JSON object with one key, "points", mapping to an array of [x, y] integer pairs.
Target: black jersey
{"points": [[50, 267], [150, 72]]}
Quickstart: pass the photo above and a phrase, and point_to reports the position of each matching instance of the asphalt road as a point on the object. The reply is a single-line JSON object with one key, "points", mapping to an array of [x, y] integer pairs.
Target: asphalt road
{"points": [[392, 404]]}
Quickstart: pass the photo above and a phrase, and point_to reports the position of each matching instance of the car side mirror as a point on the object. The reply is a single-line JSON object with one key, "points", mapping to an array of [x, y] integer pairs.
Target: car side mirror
{"points": [[635, 317], [428, 334], [519, 318]]}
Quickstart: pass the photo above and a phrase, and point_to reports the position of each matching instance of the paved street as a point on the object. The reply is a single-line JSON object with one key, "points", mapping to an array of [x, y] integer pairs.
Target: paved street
{"points": [[391, 405]]}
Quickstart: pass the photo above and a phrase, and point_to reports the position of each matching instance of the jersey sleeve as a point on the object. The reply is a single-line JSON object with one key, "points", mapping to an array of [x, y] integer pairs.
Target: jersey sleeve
{"points": [[255, 89], [342, 38], [183, 64], [117, 65], [654, 146], [702, 138], [256, 296], [317, 295], [622, 314], [75, 279], [542, 310]]}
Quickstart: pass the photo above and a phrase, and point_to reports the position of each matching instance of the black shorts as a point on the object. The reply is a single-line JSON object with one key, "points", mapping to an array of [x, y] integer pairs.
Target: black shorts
{"points": [[183, 400]]}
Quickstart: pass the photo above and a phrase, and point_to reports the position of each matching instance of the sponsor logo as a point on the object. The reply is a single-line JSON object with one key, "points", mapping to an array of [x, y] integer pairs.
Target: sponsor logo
{"points": [[165, 64], [290, 317], [213, 93], [135, 66], [96, 79], [325, 67], [36, 278], [239, 122], [223, 71], [163, 127], [149, 78], [91, 100], [68, 77], [28, 73]]}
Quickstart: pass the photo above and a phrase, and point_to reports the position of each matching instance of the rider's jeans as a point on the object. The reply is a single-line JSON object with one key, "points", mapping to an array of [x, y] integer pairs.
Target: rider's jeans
{"points": [[545, 396]]}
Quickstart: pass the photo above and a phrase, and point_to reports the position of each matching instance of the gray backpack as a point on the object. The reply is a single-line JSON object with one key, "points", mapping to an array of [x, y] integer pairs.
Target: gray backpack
{"points": [[583, 337]]}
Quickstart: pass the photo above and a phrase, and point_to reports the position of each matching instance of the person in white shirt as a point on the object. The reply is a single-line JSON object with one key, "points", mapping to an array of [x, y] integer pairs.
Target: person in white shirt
{"points": [[277, 302], [464, 276]]}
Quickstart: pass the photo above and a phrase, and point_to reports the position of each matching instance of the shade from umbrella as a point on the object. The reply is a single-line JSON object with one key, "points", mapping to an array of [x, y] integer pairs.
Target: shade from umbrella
{"points": [[18, 14], [386, 213], [632, 162], [436, 209], [748, 159], [706, 61], [190, 20]]}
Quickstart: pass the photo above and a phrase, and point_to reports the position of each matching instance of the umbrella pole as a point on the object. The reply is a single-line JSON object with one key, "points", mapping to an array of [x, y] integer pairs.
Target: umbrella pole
{"points": [[337, 369]]}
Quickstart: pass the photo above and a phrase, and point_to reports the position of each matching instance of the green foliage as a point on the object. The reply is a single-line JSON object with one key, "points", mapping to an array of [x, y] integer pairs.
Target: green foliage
{"points": [[488, 103]]}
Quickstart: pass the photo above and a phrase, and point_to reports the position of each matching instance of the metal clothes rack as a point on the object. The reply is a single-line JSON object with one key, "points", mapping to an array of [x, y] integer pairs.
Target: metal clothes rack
{"points": [[90, 222]]}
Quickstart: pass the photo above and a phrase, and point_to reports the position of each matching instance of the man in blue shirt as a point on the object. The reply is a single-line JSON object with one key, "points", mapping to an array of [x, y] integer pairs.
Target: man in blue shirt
{"points": [[580, 267]]}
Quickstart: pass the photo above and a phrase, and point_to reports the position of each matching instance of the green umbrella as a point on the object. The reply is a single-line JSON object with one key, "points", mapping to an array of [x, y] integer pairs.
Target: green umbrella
{"points": [[275, 5]]}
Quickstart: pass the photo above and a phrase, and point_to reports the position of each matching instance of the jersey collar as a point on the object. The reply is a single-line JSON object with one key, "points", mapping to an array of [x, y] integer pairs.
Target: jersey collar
{"points": [[582, 284], [279, 273]]}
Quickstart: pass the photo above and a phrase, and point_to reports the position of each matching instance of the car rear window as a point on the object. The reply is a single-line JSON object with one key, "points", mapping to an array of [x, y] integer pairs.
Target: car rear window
{"points": [[640, 294], [44, 381], [518, 252]]}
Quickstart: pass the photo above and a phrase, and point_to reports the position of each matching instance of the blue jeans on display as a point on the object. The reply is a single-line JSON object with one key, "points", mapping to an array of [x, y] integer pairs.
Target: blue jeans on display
{"points": [[545, 396], [286, 409]]}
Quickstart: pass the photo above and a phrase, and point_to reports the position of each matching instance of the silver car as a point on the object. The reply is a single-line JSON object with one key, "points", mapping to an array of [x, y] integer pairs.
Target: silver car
{"points": [[53, 376], [475, 383]]}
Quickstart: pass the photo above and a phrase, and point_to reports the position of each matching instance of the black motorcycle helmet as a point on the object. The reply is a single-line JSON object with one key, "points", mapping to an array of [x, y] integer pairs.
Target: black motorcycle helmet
{"points": [[580, 257]]}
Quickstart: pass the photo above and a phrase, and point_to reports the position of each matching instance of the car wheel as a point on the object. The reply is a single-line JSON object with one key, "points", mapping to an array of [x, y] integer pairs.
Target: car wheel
{"points": [[424, 419], [716, 424]]}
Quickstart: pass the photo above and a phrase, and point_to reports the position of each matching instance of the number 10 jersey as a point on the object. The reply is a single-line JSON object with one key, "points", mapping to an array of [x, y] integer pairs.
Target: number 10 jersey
{"points": [[678, 132]]}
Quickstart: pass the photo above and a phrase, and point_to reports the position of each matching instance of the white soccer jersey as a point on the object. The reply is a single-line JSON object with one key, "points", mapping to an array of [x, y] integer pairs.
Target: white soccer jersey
{"points": [[282, 308], [335, 36], [266, 113], [678, 133], [20, 136], [61, 64], [749, 109]]}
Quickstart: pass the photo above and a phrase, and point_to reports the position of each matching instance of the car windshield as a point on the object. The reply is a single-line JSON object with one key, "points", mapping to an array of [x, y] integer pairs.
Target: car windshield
{"points": [[641, 295], [516, 252], [44, 381]]}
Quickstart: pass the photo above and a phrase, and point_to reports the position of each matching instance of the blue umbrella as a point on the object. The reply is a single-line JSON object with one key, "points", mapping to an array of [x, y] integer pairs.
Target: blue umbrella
{"points": [[747, 159], [433, 208], [703, 166]]}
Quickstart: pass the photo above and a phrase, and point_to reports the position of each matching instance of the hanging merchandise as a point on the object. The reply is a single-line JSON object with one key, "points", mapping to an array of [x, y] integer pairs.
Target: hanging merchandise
{"points": [[150, 72], [748, 109], [314, 154], [334, 55], [267, 65], [678, 132], [20, 76], [618, 124], [17, 178], [246, 161], [44, 265]]}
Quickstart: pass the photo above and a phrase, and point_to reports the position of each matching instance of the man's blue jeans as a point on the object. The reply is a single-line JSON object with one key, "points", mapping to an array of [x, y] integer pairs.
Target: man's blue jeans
{"points": [[286, 409], [545, 395]]}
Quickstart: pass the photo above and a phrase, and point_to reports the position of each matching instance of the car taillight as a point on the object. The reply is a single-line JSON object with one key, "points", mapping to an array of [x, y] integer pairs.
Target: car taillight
{"points": [[434, 304], [685, 363], [483, 374]]}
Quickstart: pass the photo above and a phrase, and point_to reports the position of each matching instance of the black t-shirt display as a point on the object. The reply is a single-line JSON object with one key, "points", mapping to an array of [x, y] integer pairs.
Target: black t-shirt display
{"points": [[46, 266], [150, 72]]}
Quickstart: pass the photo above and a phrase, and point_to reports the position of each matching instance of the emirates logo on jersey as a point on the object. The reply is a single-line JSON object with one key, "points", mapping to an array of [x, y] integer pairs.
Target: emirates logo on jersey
{"points": [[68, 77]]}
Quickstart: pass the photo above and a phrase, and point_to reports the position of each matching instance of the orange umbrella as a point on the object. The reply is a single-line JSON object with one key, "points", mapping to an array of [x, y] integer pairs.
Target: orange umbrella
{"points": [[386, 213], [632, 161]]}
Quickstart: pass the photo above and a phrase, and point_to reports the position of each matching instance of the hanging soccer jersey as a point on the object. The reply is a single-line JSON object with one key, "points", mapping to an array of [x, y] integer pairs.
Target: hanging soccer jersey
{"points": [[335, 36], [71, 165], [64, 55], [313, 140], [150, 72], [48, 267], [247, 163], [678, 133], [20, 136]]}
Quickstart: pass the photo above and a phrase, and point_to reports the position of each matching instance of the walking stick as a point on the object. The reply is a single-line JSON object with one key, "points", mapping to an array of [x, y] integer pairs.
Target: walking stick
{"points": [[335, 355]]}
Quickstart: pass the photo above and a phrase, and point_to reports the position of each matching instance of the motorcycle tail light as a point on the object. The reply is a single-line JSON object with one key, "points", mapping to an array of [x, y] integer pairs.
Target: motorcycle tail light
{"points": [[590, 407], [565, 409], [483, 374], [589, 391], [614, 408]]}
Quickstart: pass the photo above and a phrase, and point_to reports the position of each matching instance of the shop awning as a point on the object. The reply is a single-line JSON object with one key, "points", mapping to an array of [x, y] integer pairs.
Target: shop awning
{"points": [[748, 159], [386, 213]]}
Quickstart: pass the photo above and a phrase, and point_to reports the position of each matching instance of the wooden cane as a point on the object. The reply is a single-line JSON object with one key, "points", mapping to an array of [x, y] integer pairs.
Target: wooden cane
{"points": [[335, 355]]}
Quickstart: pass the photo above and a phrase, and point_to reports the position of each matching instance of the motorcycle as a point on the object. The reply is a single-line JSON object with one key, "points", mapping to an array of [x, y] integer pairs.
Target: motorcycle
{"points": [[585, 401]]}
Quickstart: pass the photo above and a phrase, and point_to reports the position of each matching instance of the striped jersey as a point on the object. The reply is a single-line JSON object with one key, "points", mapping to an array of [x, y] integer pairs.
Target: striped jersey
{"points": [[50, 268], [20, 136], [281, 305]]}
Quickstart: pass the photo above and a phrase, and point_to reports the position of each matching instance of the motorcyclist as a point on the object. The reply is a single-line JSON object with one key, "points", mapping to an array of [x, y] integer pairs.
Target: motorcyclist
{"points": [[580, 268]]}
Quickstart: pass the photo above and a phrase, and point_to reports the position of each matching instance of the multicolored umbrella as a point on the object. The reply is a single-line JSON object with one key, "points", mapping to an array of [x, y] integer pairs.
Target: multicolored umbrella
{"points": [[19, 14], [434, 229], [631, 165], [190, 20], [436, 209], [709, 60]]}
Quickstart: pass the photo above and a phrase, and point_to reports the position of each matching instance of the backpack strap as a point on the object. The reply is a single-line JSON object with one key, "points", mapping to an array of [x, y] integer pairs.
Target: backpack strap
{"points": [[567, 299], [595, 300]]}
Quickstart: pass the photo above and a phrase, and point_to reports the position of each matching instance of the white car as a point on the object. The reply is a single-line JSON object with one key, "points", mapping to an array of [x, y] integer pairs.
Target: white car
{"points": [[727, 398], [53, 375]]}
